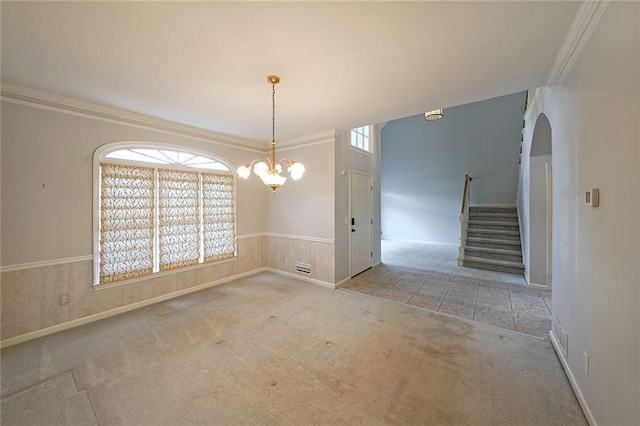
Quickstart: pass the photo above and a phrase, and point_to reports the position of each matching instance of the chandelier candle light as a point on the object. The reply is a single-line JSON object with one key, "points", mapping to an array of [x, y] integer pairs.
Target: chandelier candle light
{"points": [[267, 168]]}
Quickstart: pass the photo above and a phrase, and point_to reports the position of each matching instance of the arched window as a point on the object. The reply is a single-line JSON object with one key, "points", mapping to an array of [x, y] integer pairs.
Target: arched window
{"points": [[160, 208]]}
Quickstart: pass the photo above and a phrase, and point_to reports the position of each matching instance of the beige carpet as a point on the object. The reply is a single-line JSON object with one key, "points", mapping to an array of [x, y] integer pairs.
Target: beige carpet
{"points": [[273, 350]]}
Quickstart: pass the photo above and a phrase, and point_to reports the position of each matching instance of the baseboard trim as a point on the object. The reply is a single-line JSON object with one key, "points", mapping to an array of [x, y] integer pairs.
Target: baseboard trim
{"points": [[538, 286], [576, 389], [122, 309], [302, 278]]}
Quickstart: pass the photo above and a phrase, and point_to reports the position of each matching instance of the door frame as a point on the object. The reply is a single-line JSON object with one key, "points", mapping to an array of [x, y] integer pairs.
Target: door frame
{"points": [[549, 172], [370, 176]]}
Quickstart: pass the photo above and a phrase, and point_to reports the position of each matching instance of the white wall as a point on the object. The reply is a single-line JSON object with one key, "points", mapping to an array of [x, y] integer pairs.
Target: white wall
{"points": [[594, 117], [47, 180], [305, 207], [423, 166]]}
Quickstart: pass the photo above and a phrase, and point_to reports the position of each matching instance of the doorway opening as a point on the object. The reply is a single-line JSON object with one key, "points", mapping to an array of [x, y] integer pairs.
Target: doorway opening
{"points": [[540, 204]]}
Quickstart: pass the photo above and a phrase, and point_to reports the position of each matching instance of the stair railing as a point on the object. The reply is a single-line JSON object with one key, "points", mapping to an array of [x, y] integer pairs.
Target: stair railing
{"points": [[464, 217]]}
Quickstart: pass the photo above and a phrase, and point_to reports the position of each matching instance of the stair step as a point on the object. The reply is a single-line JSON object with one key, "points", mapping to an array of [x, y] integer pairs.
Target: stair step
{"points": [[503, 210], [495, 234], [494, 217], [492, 243], [493, 253], [481, 224], [494, 265]]}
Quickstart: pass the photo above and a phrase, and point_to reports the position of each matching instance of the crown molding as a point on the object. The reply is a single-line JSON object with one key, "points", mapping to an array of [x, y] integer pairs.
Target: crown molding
{"points": [[316, 138], [589, 13], [24, 95]]}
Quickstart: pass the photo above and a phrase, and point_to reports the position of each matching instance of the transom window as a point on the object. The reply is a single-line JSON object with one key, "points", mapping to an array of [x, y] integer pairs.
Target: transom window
{"points": [[165, 156], [360, 138], [161, 209]]}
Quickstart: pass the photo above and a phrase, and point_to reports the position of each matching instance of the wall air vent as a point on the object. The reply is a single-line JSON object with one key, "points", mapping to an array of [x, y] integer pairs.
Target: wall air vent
{"points": [[304, 268]]}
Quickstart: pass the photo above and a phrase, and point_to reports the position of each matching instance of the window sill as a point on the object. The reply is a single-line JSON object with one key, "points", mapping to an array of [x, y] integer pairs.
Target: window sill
{"points": [[99, 287]]}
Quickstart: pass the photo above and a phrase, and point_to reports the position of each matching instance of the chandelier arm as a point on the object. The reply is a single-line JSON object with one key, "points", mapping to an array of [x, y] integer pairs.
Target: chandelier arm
{"points": [[265, 159], [287, 160]]}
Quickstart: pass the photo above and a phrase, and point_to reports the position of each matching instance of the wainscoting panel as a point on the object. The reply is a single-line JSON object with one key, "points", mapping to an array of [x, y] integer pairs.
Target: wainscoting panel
{"points": [[30, 296], [282, 253]]}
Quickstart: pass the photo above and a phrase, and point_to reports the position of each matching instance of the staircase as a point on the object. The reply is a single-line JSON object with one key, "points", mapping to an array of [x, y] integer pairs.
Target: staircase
{"points": [[493, 240]]}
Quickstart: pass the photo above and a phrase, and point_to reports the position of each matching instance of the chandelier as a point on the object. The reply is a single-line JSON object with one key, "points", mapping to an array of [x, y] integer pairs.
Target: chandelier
{"points": [[267, 168]]}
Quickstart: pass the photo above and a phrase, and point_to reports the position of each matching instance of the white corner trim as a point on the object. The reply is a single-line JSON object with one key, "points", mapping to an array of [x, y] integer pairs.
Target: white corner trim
{"points": [[106, 314], [300, 237], [24, 95], [574, 384], [53, 262], [302, 278], [589, 13]]}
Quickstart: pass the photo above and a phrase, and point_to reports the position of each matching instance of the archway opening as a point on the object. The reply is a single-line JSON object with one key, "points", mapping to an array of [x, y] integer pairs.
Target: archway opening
{"points": [[540, 199]]}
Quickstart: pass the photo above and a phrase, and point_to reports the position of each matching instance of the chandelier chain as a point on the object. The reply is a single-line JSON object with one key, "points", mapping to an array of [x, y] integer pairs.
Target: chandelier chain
{"points": [[273, 112]]}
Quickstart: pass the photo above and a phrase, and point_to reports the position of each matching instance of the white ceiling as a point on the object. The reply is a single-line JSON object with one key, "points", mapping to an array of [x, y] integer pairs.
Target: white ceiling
{"points": [[342, 64]]}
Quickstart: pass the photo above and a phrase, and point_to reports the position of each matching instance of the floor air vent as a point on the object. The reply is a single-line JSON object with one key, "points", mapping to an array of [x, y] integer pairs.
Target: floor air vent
{"points": [[304, 268]]}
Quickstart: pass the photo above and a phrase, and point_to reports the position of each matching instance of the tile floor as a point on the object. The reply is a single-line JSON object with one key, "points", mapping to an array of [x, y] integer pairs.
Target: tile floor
{"points": [[508, 305], [437, 257]]}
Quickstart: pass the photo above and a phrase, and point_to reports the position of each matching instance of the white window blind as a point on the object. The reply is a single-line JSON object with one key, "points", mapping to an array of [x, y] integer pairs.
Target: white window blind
{"points": [[126, 222], [218, 217], [159, 209], [178, 218]]}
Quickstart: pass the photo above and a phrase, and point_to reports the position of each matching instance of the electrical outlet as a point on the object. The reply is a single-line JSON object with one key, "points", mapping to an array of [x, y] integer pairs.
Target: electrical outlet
{"points": [[63, 299], [585, 362], [282, 258]]}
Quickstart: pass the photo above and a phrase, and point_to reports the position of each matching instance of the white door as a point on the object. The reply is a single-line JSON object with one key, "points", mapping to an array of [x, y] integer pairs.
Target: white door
{"points": [[361, 229]]}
